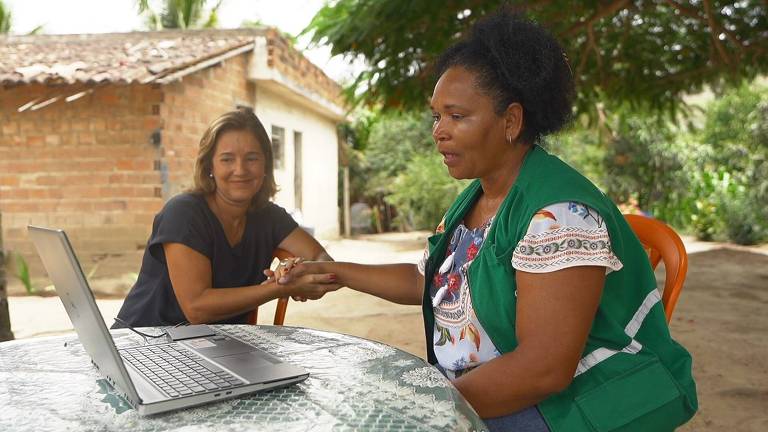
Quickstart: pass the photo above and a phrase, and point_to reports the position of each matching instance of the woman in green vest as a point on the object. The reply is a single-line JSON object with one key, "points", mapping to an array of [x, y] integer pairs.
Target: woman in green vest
{"points": [[539, 301]]}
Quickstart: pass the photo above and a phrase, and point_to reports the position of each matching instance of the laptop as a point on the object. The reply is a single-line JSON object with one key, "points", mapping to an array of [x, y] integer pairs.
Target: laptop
{"points": [[159, 377]]}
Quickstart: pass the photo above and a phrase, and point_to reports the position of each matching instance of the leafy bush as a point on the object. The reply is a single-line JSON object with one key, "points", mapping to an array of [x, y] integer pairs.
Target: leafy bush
{"points": [[744, 224], [388, 144], [734, 140], [423, 192], [712, 181], [394, 141], [639, 162], [705, 209], [580, 147], [644, 162]]}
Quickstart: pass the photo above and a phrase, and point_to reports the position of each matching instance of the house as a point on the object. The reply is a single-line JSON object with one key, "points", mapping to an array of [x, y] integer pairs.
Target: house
{"points": [[98, 131]]}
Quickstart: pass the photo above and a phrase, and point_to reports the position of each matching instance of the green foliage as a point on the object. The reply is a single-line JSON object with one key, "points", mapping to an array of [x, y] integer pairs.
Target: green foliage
{"points": [[646, 54], [637, 160], [712, 180], [358, 132], [6, 21], [382, 145], [644, 164], [581, 148], [394, 168], [393, 142], [179, 14], [22, 272], [734, 144], [5, 18], [423, 192]]}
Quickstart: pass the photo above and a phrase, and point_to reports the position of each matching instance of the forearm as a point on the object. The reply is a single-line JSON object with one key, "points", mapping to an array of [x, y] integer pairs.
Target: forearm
{"points": [[554, 315], [510, 383], [216, 304], [399, 283]]}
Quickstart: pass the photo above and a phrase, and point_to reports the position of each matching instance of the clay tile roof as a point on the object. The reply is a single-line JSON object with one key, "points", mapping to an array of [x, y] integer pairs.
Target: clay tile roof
{"points": [[120, 58]]}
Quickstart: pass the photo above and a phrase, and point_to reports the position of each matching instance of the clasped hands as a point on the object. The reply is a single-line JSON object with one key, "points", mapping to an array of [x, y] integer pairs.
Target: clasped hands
{"points": [[302, 280]]}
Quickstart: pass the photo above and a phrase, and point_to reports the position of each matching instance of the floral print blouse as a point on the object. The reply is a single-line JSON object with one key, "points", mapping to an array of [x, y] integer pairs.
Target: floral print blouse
{"points": [[561, 235]]}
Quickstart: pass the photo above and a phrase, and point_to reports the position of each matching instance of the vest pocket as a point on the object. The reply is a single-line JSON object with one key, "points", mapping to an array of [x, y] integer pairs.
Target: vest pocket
{"points": [[642, 399], [502, 255]]}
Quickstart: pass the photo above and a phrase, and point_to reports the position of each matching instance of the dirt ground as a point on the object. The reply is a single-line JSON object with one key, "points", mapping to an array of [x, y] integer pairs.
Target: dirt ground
{"points": [[722, 318]]}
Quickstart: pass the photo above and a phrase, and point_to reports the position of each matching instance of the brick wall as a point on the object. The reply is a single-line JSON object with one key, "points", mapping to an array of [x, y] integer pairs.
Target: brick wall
{"points": [[86, 166], [90, 166], [190, 105]]}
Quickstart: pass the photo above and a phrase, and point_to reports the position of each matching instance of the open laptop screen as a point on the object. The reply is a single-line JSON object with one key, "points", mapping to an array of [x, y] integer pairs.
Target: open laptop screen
{"points": [[67, 276]]}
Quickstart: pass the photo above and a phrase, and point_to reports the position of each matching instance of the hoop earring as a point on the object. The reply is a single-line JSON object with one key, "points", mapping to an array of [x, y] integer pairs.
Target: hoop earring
{"points": [[509, 140]]}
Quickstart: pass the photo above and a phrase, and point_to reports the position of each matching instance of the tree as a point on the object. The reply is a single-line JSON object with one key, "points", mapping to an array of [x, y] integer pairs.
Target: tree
{"points": [[643, 53], [423, 191], [734, 149], [5, 19], [180, 14], [381, 147], [395, 169]]}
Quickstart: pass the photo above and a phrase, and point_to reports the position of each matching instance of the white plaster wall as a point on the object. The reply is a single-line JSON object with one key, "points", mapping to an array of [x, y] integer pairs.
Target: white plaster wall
{"points": [[320, 160]]}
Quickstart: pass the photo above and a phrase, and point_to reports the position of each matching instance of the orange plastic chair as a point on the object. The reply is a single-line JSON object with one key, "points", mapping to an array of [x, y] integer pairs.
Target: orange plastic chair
{"points": [[662, 243], [282, 304]]}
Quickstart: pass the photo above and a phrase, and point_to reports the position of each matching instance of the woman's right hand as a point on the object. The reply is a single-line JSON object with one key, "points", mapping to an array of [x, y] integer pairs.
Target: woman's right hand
{"points": [[305, 280]]}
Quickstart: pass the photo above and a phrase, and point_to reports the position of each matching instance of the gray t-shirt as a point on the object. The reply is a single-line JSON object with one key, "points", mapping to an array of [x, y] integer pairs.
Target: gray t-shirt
{"points": [[187, 219]]}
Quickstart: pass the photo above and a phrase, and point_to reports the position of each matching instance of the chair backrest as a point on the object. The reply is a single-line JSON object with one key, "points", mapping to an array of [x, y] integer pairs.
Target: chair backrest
{"points": [[663, 244], [282, 303]]}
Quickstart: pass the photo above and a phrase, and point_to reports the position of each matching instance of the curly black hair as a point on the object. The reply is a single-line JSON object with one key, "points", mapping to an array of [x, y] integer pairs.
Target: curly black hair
{"points": [[517, 60]]}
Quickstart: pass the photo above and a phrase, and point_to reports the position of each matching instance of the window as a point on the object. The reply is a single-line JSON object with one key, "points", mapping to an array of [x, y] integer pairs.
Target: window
{"points": [[278, 146]]}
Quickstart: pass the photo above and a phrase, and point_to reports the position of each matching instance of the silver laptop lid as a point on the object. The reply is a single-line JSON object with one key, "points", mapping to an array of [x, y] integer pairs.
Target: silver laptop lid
{"points": [[64, 270]]}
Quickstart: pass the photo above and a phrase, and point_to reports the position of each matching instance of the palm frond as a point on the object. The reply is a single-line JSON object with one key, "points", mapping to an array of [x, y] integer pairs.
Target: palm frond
{"points": [[37, 30], [5, 18]]}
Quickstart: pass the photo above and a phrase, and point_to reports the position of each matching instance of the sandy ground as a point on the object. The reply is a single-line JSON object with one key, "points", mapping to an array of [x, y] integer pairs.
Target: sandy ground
{"points": [[722, 318]]}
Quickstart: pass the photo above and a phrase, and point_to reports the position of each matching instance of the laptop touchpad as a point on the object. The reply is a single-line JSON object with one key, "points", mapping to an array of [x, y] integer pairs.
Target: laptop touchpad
{"points": [[248, 365], [219, 346]]}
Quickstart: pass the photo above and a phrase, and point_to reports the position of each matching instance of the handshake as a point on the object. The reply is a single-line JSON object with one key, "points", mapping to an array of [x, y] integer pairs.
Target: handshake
{"points": [[303, 280]]}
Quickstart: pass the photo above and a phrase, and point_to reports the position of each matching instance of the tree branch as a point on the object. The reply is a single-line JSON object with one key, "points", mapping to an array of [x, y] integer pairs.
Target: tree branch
{"points": [[611, 9], [582, 60], [693, 13], [525, 6], [714, 33], [593, 46], [685, 75]]}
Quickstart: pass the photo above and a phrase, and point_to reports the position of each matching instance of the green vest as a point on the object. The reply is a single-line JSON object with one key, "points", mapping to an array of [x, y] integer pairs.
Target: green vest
{"points": [[632, 376]]}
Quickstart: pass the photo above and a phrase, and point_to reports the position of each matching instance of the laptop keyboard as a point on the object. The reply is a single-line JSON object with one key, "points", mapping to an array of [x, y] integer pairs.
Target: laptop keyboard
{"points": [[177, 371]]}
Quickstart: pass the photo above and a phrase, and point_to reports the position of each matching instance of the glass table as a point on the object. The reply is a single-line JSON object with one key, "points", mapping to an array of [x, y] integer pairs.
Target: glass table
{"points": [[354, 384]]}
